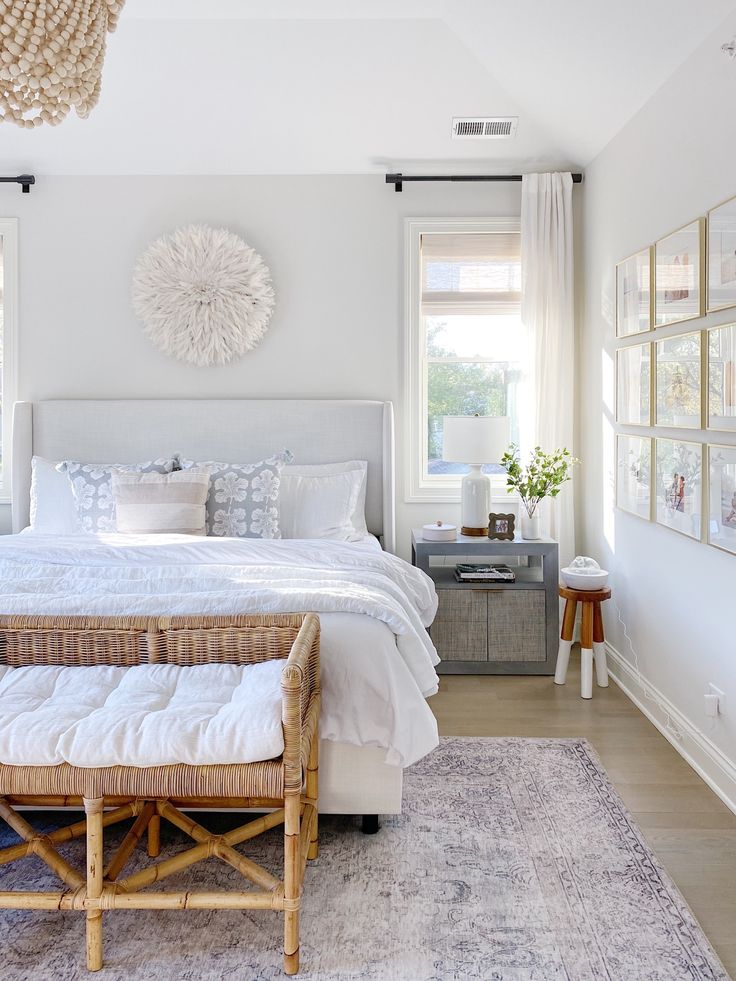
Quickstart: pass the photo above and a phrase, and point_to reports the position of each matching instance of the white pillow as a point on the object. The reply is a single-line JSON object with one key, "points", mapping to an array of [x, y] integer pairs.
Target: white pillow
{"points": [[324, 500], [53, 510]]}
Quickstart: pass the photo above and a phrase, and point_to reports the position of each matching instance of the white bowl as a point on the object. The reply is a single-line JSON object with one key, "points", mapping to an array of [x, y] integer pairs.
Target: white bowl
{"points": [[574, 579]]}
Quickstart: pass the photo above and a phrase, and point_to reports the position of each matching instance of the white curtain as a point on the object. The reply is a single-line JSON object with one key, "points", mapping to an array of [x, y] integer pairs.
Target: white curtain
{"points": [[547, 312]]}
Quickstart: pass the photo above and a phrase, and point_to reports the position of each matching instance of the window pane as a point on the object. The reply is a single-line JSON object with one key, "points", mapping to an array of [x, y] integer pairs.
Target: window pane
{"points": [[462, 389], [497, 338]]}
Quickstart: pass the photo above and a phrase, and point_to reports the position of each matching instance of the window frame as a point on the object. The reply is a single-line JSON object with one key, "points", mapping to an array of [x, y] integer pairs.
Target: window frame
{"points": [[9, 233], [418, 487]]}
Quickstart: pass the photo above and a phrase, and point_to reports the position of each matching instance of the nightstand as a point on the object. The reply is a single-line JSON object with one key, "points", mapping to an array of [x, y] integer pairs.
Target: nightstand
{"points": [[499, 628]]}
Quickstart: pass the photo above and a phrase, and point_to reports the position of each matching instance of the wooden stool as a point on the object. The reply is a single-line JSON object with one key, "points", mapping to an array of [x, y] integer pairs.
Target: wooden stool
{"points": [[591, 638]]}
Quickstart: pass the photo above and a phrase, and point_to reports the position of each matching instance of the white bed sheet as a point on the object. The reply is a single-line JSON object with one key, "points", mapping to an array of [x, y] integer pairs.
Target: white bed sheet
{"points": [[377, 659]]}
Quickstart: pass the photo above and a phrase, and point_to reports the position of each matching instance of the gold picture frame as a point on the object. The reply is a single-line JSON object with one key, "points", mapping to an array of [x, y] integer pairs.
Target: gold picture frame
{"points": [[679, 275], [678, 381], [721, 256], [721, 526], [634, 371], [720, 406], [678, 486], [635, 293], [633, 475]]}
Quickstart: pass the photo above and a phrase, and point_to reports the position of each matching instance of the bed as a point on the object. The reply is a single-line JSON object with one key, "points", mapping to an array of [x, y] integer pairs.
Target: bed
{"points": [[378, 662]]}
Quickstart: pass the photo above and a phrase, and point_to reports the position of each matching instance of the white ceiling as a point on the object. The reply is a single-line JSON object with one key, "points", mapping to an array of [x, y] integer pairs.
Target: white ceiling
{"points": [[357, 86]]}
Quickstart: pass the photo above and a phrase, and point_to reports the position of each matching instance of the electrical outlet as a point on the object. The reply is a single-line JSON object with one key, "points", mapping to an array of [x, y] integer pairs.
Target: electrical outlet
{"points": [[715, 701]]}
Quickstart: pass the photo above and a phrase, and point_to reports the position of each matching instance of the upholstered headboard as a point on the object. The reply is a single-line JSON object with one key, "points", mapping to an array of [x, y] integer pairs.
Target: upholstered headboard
{"points": [[238, 430]]}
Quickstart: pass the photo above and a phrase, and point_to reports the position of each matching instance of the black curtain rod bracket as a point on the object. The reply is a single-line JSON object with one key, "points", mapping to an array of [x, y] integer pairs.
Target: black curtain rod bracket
{"points": [[398, 180], [25, 180]]}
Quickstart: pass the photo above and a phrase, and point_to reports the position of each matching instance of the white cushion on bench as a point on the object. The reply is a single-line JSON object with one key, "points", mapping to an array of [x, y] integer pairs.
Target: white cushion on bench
{"points": [[148, 715]]}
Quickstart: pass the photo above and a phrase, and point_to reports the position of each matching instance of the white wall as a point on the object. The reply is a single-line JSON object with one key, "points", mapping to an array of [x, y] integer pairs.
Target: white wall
{"points": [[335, 248], [671, 163]]}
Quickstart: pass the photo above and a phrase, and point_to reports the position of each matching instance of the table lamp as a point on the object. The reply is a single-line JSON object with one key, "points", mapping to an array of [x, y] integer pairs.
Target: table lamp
{"points": [[475, 440]]}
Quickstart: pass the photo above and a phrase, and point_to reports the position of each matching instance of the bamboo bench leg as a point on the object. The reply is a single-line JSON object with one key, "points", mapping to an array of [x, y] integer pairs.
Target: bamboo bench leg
{"points": [[154, 836], [292, 890], [93, 808]]}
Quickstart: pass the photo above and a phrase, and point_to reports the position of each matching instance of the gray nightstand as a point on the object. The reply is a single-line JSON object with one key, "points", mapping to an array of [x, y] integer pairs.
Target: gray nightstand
{"points": [[503, 628]]}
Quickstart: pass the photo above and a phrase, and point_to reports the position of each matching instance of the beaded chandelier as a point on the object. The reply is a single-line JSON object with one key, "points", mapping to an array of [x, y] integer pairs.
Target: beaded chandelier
{"points": [[51, 56]]}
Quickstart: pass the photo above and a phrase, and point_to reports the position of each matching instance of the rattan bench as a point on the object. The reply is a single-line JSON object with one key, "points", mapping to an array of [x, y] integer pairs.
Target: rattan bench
{"points": [[114, 794]]}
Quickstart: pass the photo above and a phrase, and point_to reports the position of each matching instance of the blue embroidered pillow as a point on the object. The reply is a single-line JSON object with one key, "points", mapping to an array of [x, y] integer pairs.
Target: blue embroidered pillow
{"points": [[92, 489], [243, 500]]}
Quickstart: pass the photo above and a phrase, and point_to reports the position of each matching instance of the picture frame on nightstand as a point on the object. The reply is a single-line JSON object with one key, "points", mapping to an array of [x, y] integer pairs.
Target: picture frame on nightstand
{"points": [[501, 527]]}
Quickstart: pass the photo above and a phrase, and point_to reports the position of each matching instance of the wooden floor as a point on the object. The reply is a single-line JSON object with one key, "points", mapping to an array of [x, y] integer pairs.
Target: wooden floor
{"points": [[692, 832]]}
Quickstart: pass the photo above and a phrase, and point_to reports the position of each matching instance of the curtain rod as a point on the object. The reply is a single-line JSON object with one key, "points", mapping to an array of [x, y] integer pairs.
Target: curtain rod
{"points": [[25, 180], [398, 180]]}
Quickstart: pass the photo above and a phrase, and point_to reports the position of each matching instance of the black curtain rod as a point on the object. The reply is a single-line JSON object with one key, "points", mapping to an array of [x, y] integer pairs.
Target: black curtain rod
{"points": [[398, 180], [25, 180]]}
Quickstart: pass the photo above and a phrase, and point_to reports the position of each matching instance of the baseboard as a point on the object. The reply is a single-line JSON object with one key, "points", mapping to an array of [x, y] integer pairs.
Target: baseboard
{"points": [[695, 747]]}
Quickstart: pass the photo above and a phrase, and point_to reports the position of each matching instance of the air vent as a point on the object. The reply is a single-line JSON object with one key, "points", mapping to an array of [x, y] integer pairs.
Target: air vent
{"points": [[484, 127]]}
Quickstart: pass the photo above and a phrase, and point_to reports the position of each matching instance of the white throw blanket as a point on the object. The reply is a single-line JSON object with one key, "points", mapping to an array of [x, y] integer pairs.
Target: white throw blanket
{"points": [[374, 690]]}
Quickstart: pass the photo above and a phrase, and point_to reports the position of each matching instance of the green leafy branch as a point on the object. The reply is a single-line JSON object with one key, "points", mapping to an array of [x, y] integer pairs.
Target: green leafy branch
{"points": [[542, 477]]}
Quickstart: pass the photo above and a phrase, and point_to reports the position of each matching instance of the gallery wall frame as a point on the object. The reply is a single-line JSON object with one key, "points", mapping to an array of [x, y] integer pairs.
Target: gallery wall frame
{"points": [[720, 407], [635, 293], [721, 511], [633, 475], [679, 274], [677, 486], [678, 390], [721, 256], [634, 374]]}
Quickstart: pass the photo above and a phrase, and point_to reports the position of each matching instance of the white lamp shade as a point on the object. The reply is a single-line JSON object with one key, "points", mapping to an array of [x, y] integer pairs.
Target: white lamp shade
{"points": [[474, 439]]}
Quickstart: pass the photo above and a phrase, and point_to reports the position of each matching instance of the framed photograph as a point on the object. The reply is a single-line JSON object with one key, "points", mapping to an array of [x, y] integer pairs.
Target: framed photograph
{"points": [[722, 256], [678, 262], [722, 378], [634, 293], [501, 527], [633, 385], [634, 474], [678, 366], [722, 496], [679, 486]]}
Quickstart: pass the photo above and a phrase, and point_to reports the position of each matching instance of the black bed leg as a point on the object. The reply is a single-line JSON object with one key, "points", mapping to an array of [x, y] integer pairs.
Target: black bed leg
{"points": [[370, 825]]}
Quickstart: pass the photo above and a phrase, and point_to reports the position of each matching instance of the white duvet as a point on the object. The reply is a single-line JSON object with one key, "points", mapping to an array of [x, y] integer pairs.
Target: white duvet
{"points": [[377, 659]]}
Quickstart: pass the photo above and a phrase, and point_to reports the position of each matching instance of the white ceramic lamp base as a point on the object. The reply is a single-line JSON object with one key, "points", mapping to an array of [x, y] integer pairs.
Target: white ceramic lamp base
{"points": [[476, 502]]}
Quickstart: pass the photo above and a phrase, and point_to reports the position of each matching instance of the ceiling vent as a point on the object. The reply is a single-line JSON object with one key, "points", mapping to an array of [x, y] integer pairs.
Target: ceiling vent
{"points": [[484, 127]]}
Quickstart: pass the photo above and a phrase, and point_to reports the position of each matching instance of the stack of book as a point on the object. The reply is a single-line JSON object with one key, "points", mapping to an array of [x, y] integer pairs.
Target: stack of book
{"points": [[483, 572]]}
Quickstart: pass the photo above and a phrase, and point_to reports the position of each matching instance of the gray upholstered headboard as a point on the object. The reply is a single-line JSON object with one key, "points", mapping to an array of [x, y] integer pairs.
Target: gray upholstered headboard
{"points": [[239, 430]]}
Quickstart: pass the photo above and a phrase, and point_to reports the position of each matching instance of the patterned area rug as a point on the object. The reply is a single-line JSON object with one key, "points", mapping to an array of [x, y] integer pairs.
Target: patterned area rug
{"points": [[514, 861]]}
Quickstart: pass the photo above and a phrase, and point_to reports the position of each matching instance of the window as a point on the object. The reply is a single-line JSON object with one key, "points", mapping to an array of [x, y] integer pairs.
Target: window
{"points": [[465, 344], [8, 313]]}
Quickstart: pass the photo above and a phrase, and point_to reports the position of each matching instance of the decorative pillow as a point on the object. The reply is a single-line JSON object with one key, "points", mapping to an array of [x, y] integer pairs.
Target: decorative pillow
{"points": [[53, 510], [243, 500], [92, 488], [161, 503], [324, 501]]}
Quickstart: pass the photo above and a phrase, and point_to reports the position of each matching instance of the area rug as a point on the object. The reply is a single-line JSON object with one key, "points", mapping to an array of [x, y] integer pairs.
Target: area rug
{"points": [[514, 860]]}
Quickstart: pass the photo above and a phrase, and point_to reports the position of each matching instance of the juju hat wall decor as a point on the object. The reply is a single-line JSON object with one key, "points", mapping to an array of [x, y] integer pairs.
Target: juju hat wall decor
{"points": [[203, 295], [51, 56]]}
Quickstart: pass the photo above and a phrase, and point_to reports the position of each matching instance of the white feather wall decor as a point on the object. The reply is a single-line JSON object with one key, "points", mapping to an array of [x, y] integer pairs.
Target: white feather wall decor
{"points": [[203, 295]]}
